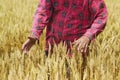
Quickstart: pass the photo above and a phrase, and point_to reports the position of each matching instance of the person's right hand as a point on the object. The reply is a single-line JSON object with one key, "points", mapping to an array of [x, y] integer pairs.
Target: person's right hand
{"points": [[27, 45]]}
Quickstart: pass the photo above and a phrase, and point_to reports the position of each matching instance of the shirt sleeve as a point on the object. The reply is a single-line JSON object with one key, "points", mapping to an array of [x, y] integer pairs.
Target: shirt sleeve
{"points": [[98, 12], [41, 18]]}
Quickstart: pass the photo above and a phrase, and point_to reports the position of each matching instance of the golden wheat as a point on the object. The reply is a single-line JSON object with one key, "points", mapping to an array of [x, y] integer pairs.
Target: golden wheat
{"points": [[103, 62]]}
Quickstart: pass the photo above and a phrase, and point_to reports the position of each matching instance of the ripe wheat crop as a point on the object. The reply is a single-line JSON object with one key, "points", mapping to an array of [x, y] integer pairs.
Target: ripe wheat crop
{"points": [[103, 62]]}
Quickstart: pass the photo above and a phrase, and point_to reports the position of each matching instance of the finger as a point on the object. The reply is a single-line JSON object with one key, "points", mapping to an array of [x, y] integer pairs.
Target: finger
{"points": [[83, 48], [79, 46], [76, 41], [86, 47], [24, 45], [76, 44], [25, 51]]}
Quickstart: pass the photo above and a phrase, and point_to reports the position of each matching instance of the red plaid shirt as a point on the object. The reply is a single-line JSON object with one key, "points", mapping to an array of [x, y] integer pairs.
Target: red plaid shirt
{"points": [[67, 20]]}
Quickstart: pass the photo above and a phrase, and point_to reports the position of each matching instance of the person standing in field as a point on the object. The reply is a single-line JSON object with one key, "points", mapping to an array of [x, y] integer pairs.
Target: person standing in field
{"points": [[70, 21]]}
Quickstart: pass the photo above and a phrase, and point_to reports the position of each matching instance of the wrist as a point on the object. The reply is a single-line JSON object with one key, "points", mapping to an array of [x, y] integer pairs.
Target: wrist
{"points": [[32, 36], [87, 38], [32, 39]]}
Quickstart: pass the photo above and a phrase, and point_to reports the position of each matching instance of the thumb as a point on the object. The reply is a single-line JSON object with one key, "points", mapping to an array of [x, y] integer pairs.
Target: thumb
{"points": [[24, 45]]}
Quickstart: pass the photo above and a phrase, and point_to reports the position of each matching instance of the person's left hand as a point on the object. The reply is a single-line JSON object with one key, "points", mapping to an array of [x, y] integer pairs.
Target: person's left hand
{"points": [[82, 44]]}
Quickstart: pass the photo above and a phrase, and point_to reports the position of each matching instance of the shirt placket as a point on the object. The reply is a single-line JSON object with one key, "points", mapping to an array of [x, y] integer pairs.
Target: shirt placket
{"points": [[67, 19]]}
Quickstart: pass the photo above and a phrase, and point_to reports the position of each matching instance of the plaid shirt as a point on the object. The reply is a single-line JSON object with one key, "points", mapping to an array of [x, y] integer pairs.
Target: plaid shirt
{"points": [[67, 20]]}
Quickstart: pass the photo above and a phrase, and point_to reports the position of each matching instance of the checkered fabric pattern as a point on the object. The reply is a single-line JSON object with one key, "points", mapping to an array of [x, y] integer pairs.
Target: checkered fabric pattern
{"points": [[67, 20]]}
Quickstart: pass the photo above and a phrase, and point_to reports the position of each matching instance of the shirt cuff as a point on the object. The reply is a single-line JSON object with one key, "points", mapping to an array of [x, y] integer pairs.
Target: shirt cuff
{"points": [[34, 36]]}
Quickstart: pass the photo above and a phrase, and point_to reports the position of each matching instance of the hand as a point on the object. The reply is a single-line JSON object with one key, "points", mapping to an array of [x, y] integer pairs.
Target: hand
{"points": [[82, 44], [27, 45]]}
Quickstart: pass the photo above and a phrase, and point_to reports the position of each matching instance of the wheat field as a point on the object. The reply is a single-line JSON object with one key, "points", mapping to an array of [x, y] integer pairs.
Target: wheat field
{"points": [[102, 63]]}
